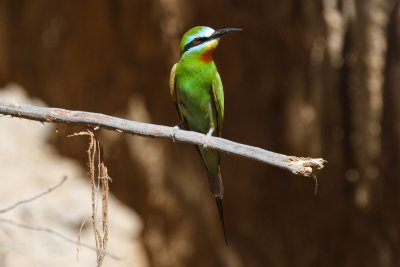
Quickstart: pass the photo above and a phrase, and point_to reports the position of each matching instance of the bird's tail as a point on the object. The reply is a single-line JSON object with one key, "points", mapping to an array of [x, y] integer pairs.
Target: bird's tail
{"points": [[215, 183], [211, 162], [217, 189], [221, 216]]}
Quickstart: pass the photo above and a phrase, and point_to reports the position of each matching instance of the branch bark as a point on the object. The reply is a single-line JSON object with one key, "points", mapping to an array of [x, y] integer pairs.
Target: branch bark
{"points": [[304, 166]]}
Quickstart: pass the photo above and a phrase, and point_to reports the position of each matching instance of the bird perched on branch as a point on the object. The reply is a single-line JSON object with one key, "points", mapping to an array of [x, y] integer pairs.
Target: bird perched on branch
{"points": [[196, 89]]}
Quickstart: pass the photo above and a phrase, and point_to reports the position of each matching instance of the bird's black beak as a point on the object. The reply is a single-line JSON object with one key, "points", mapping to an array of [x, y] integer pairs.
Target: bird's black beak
{"points": [[219, 33]]}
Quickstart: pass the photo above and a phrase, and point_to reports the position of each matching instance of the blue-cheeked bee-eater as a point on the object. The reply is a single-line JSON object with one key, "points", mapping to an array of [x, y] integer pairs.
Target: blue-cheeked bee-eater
{"points": [[196, 89]]}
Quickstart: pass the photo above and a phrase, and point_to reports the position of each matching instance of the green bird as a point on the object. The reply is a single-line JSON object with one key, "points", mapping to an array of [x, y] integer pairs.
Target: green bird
{"points": [[196, 89]]}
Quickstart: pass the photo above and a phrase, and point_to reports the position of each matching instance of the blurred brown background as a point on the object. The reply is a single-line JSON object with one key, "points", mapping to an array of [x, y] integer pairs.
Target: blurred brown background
{"points": [[308, 78]]}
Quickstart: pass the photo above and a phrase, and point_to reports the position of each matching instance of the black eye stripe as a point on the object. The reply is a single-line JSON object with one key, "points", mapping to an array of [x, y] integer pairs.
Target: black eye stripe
{"points": [[201, 39], [191, 44]]}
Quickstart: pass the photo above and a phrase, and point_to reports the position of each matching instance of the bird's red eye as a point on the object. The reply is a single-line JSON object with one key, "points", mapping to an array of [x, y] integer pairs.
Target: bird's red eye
{"points": [[196, 40]]}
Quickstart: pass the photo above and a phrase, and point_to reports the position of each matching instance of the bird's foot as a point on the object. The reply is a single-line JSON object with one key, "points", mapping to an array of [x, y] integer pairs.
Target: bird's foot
{"points": [[175, 129], [207, 138]]}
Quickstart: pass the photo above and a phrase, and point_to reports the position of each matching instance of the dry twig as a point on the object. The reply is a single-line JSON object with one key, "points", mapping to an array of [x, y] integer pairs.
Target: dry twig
{"points": [[48, 230], [78, 242], [36, 196], [297, 165], [95, 154], [62, 236]]}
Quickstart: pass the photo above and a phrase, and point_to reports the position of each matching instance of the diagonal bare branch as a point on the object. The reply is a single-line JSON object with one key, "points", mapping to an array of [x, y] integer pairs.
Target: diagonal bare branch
{"points": [[58, 234], [304, 166], [36, 196]]}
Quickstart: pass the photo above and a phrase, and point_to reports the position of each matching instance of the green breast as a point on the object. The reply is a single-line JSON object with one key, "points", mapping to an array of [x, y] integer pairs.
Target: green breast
{"points": [[194, 92]]}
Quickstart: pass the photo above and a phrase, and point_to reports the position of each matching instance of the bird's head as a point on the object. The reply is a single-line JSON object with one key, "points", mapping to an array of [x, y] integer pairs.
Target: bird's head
{"points": [[202, 41]]}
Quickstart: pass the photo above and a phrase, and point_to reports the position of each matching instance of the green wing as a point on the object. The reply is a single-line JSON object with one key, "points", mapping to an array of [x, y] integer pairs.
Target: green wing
{"points": [[218, 94], [172, 90]]}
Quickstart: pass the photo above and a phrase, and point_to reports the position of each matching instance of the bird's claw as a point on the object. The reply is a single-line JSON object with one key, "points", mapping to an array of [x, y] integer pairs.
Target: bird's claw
{"points": [[175, 129], [207, 138], [173, 133]]}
